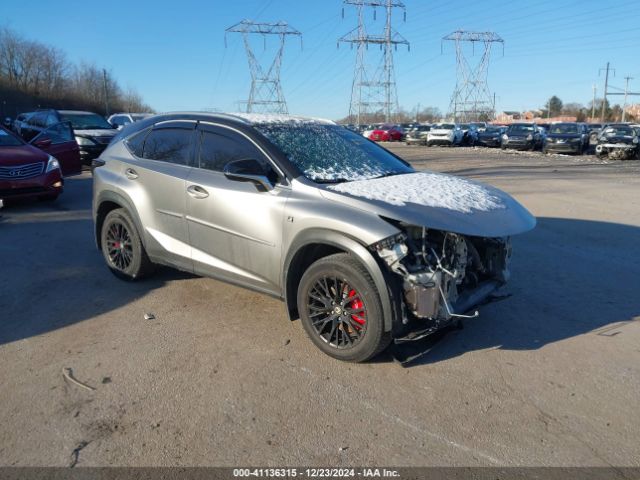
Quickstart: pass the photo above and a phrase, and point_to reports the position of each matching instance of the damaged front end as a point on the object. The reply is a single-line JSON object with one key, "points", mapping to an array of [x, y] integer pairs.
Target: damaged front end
{"points": [[442, 276], [618, 151]]}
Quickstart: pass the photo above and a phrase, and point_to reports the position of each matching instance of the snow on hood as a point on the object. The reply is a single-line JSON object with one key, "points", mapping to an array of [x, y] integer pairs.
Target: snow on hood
{"points": [[256, 118], [427, 189], [437, 201]]}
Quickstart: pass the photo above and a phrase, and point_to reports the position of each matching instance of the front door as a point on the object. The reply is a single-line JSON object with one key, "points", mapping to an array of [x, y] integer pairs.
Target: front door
{"points": [[235, 227], [58, 141]]}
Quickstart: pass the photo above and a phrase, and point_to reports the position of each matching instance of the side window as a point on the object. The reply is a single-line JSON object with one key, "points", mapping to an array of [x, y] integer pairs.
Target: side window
{"points": [[50, 120], [168, 145], [38, 119], [218, 149], [136, 143]]}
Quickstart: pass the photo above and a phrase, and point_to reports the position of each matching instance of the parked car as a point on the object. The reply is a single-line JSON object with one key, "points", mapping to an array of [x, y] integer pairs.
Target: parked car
{"points": [[444, 134], [119, 120], [30, 170], [18, 122], [361, 247], [386, 133], [417, 135], [566, 137], [92, 132], [469, 134], [368, 130], [618, 142], [491, 136], [521, 136]]}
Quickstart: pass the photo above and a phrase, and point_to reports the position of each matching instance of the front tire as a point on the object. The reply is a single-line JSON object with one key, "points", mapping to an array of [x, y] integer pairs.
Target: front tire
{"points": [[122, 247], [341, 310]]}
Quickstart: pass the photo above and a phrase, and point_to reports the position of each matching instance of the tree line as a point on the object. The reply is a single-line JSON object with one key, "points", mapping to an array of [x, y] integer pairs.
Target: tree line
{"points": [[35, 75], [555, 107]]}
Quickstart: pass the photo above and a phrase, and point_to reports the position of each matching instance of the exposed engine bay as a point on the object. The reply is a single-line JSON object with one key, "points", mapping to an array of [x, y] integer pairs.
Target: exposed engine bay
{"points": [[443, 274]]}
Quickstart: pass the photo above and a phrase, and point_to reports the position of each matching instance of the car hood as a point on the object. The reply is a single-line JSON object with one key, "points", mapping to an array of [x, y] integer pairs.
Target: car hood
{"points": [[437, 201], [21, 155], [106, 132], [440, 130], [489, 134], [618, 139], [564, 136]]}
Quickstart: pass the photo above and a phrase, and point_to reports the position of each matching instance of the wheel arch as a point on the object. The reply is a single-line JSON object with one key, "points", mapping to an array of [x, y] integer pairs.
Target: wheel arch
{"points": [[313, 244], [107, 202]]}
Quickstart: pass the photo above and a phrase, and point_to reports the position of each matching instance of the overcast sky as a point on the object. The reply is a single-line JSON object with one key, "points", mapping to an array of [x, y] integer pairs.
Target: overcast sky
{"points": [[174, 53]]}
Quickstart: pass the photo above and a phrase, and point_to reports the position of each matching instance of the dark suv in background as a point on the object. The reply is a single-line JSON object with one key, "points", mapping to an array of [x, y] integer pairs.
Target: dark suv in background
{"points": [[92, 132], [566, 137]]}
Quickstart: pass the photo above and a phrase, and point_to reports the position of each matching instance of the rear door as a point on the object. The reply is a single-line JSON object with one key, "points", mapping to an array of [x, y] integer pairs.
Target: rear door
{"points": [[156, 182], [235, 227], [58, 140]]}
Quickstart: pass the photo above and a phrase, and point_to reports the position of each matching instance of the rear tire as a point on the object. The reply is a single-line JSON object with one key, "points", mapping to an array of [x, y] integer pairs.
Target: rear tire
{"points": [[122, 247], [341, 310]]}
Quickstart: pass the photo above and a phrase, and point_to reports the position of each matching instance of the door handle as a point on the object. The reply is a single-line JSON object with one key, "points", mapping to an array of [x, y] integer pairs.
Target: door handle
{"points": [[131, 173], [197, 191]]}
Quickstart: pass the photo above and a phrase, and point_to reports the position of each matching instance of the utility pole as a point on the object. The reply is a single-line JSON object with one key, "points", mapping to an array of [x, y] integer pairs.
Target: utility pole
{"points": [[418, 113], [626, 94], [471, 98], [606, 86], [593, 103], [374, 90], [106, 96], [266, 94]]}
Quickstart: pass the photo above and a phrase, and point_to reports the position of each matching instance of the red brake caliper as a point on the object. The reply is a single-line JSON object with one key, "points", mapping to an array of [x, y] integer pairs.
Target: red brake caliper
{"points": [[357, 304]]}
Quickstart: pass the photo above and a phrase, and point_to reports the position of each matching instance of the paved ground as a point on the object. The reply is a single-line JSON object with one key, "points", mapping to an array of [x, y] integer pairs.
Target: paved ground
{"points": [[549, 376]]}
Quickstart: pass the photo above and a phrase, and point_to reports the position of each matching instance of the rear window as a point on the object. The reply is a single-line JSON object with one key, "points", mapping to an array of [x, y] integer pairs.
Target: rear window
{"points": [[136, 143]]}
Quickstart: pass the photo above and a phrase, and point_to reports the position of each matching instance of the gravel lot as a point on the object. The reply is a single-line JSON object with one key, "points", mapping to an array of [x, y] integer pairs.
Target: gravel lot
{"points": [[548, 376]]}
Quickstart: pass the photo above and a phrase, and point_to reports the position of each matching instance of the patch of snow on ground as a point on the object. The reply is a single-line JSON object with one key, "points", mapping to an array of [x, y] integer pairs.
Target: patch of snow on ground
{"points": [[275, 118], [425, 188]]}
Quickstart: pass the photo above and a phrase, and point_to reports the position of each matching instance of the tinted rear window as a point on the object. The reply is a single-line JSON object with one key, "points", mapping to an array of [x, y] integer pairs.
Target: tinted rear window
{"points": [[168, 145]]}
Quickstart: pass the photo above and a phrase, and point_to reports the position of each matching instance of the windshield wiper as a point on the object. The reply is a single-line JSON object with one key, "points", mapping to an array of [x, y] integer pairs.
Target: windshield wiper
{"points": [[332, 180]]}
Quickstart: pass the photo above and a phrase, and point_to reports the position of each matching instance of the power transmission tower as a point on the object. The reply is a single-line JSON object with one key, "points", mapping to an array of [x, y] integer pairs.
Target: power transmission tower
{"points": [[471, 99], [374, 90], [266, 91]]}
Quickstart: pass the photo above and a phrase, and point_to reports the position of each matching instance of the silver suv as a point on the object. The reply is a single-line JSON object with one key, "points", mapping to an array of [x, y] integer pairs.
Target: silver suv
{"points": [[361, 247]]}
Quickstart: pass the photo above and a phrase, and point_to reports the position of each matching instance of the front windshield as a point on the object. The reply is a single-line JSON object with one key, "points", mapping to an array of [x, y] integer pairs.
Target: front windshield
{"points": [[137, 118], [331, 154], [8, 140], [85, 121], [521, 129], [619, 132], [444, 126], [464, 126], [564, 128], [493, 130]]}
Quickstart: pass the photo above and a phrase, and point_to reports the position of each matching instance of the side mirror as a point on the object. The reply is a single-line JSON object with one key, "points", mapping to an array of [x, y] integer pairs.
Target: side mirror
{"points": [[43, 142], [249, 170]]}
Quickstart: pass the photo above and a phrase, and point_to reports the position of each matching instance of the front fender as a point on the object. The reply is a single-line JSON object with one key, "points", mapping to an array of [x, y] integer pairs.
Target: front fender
{"points": [[353, 247]]}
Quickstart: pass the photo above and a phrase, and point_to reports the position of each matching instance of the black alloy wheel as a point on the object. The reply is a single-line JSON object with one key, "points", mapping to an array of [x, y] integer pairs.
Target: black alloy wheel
{"points": [[337, 312]]}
